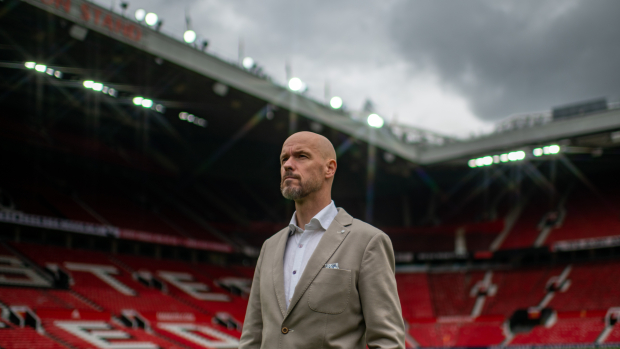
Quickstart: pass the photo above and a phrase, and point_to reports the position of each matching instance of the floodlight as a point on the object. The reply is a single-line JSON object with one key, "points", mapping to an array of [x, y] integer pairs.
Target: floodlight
{"points": [[183, 115], [488, 160], [472, 163], [147, 103], [140, 14], [49, 71], [191, 118], [30, 65], [496, 159], [189, 36], [375, 121], [295, 84], [503, 158], [88, 83], [160, 108], [335, 102], [201, 122], [40, 68], [137, 100], [479, 162], [516, 155], [248, 63], [537, 152], [112, 92], [58, 74], [151, 19], [97, 86], [554, 149]]}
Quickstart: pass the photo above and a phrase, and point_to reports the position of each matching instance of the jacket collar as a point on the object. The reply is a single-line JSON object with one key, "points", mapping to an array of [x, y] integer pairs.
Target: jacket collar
{"points": [[331, 240]]}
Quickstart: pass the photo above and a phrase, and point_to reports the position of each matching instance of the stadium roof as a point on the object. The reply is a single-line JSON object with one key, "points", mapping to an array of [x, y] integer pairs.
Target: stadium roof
{"points": [[147, 39]]}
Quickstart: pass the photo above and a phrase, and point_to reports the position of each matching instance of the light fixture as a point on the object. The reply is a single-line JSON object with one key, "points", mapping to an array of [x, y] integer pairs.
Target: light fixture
{"points": [[554, 149], [88, 83], [335, 102], [160, 108], [503, 158], [516, 155], [49, 71], [140, 14], [30, 65], [496, 159], [138, 100], [189, 36], [58, 74], [151, 19], [537, 152], [112, 92], [97, 86], [295, 84], [193, 119], [40, 68], [472, 163], [375, 121], [147, 103], [248, 63]]}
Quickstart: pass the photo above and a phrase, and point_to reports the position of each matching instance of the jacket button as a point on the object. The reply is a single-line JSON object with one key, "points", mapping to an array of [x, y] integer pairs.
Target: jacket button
{"points": [[284, 330]]}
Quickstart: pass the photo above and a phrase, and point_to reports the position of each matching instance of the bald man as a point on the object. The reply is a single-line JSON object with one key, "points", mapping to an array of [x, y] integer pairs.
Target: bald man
{"points": [[326, 280]]}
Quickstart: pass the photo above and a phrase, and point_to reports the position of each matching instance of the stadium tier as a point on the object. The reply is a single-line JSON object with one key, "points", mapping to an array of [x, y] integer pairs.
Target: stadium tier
{"points": [[155, 303]]}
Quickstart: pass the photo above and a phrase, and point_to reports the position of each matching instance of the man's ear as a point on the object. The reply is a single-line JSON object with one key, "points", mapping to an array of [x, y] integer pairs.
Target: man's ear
{"points": [[331, 167]]}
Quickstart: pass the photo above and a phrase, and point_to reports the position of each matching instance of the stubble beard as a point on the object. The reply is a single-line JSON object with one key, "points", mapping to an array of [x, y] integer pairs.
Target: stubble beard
{"points": [[299, 192]]}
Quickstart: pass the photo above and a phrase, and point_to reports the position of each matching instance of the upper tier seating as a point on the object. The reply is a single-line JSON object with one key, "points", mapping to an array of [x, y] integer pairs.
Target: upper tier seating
{"points": [[41, 298], [589, 215]]}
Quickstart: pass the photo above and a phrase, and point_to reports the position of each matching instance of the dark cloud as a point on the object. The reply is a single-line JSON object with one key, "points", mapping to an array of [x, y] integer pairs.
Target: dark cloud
{"points": [[513, 56]]}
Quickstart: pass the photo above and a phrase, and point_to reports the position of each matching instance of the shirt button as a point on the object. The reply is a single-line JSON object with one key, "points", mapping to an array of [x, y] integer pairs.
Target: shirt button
{"points": [[284, 330], [294, 271], [301, 245]]}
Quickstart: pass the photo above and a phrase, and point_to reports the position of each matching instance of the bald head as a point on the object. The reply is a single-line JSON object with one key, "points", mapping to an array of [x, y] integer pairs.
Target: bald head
{"points": [[307, 166], [313, 140]]}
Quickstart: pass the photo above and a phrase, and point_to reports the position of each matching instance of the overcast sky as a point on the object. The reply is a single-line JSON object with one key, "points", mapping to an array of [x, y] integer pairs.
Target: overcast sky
{"points": [[452, 66]]}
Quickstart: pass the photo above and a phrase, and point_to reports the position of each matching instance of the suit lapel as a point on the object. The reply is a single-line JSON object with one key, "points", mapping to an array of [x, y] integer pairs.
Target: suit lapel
{"points": [[329, 243], [278, 270]]}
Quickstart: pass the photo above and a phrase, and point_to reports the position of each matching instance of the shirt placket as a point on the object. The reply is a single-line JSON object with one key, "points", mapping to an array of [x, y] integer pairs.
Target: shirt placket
{"points": [[300, 250]]}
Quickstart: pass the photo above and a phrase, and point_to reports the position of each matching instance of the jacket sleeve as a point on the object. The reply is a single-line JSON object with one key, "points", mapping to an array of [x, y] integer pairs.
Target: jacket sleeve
{"points": [[380, 304], [252, 333]]}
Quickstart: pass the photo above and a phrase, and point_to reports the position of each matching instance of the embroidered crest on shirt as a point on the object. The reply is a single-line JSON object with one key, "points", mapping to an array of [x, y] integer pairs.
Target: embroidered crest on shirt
{"points": [[332, 266]]}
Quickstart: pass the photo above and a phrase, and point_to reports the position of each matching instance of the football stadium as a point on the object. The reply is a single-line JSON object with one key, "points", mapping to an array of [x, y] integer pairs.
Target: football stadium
{"points": [[140, 178]]}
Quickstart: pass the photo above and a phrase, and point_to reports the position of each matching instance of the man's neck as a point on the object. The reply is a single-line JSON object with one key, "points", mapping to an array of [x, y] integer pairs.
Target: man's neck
{"points": [[309, 207]]}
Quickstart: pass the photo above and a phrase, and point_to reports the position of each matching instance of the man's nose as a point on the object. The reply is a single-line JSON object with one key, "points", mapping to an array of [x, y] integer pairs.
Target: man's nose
{"points": [[287, 165]]}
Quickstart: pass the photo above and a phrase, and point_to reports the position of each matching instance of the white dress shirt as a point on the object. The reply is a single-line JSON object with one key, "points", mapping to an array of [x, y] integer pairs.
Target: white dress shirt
{"points": [[301, 244]]}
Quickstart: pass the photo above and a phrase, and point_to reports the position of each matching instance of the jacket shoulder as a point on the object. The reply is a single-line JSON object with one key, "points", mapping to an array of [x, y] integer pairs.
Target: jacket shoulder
{"points": [[273, 239], [365, 230]]}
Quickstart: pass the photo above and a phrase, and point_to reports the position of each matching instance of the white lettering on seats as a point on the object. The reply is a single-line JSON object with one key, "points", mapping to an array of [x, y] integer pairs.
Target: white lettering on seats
{"points": [[97, 333], [13, 272], [185, 331], [103, 272], [198, 290]]}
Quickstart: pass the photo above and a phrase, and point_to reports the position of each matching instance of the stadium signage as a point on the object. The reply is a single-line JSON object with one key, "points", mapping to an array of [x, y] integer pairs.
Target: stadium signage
{"points": [[93, 17], [587, 244], [32, 220]]}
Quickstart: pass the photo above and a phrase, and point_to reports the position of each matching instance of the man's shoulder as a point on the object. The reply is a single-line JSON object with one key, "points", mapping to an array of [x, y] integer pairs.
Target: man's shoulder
{"points": [[366, 231]]}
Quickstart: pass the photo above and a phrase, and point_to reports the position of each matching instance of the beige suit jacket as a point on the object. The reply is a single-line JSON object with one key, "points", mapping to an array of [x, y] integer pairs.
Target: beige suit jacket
{"points": [[348, 307]]}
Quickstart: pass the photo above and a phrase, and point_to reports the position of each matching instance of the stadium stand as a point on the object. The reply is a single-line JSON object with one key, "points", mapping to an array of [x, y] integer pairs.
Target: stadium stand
{"points": [[564, 331], [481, 333], [12, 337], [450, 292], [589, 215]]}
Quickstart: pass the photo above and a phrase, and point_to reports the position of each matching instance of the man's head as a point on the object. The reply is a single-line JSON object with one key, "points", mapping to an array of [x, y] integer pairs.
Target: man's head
{"points": [[307, 166]]}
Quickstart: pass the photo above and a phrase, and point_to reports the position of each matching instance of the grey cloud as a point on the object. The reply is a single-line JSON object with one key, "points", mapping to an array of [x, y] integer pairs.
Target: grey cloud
{"points": [[513, 56]]}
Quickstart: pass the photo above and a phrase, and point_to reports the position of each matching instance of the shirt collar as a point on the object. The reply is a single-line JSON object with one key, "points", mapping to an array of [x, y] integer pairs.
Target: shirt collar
{"points": [[321, 220]]}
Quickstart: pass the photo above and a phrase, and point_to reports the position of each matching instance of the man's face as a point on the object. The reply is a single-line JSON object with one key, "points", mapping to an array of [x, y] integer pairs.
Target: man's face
{"points": [[301, 168]]}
